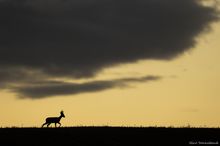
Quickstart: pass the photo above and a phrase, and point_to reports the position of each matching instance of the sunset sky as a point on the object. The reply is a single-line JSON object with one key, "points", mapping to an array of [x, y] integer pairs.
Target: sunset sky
{"points": [[110, 62]]}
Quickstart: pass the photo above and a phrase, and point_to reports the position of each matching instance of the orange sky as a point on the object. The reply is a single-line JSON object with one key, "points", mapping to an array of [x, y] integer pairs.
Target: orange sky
{"points": [[150, 92], [188, 93]]}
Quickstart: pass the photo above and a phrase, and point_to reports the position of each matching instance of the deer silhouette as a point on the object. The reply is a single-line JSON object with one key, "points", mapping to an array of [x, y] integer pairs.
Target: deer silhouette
{"points": [[54, 120]]}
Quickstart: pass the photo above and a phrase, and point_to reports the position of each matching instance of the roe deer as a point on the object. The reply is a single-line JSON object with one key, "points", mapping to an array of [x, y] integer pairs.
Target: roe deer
{"points": [[54, 120]]}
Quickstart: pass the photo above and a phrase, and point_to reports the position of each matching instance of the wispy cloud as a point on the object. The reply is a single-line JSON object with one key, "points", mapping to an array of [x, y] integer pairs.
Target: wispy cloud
{"points": [[54, 88]]}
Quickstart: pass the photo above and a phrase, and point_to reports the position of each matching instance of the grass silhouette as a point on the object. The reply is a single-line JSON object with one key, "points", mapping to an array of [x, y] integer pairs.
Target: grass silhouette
{"points": [[108, 136]]}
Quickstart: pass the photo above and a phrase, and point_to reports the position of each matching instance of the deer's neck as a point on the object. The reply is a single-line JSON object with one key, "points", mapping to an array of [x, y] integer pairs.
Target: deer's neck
{"points": [[60, 117]]}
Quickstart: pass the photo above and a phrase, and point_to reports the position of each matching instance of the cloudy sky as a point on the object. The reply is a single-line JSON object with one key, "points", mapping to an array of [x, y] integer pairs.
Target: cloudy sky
{"points": [[110, 62]]}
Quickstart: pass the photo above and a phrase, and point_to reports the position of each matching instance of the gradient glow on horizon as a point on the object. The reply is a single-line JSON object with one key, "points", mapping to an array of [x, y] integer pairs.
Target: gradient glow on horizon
{"points": [[188, 93]]}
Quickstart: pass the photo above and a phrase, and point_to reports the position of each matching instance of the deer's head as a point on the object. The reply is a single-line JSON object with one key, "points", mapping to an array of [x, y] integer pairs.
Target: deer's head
{"points": [[62, 114]]}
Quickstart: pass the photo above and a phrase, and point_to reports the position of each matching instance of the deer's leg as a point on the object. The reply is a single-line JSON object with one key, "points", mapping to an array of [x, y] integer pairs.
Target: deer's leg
{"points": [[44, 124], [48, 124], [55, 124], [59, 124]]}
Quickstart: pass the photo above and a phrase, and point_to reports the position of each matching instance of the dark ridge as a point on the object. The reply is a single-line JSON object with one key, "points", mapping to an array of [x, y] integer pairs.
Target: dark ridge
{"points": [[109, 136]]}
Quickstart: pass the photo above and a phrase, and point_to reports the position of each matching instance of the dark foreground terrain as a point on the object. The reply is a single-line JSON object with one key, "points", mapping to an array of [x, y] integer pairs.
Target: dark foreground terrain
{"points": [[108, 136]]}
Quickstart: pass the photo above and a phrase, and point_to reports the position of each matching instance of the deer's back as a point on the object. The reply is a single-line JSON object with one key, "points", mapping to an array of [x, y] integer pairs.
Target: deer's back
{"points": [[52, 120]]}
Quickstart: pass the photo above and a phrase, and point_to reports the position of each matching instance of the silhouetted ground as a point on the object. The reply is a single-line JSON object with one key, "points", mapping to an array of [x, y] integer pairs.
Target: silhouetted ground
{"points": [[109, 136]]}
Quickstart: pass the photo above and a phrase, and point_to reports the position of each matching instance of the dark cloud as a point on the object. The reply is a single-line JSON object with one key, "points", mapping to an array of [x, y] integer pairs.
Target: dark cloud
{"points": [[77, 39], [44, 89]]}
